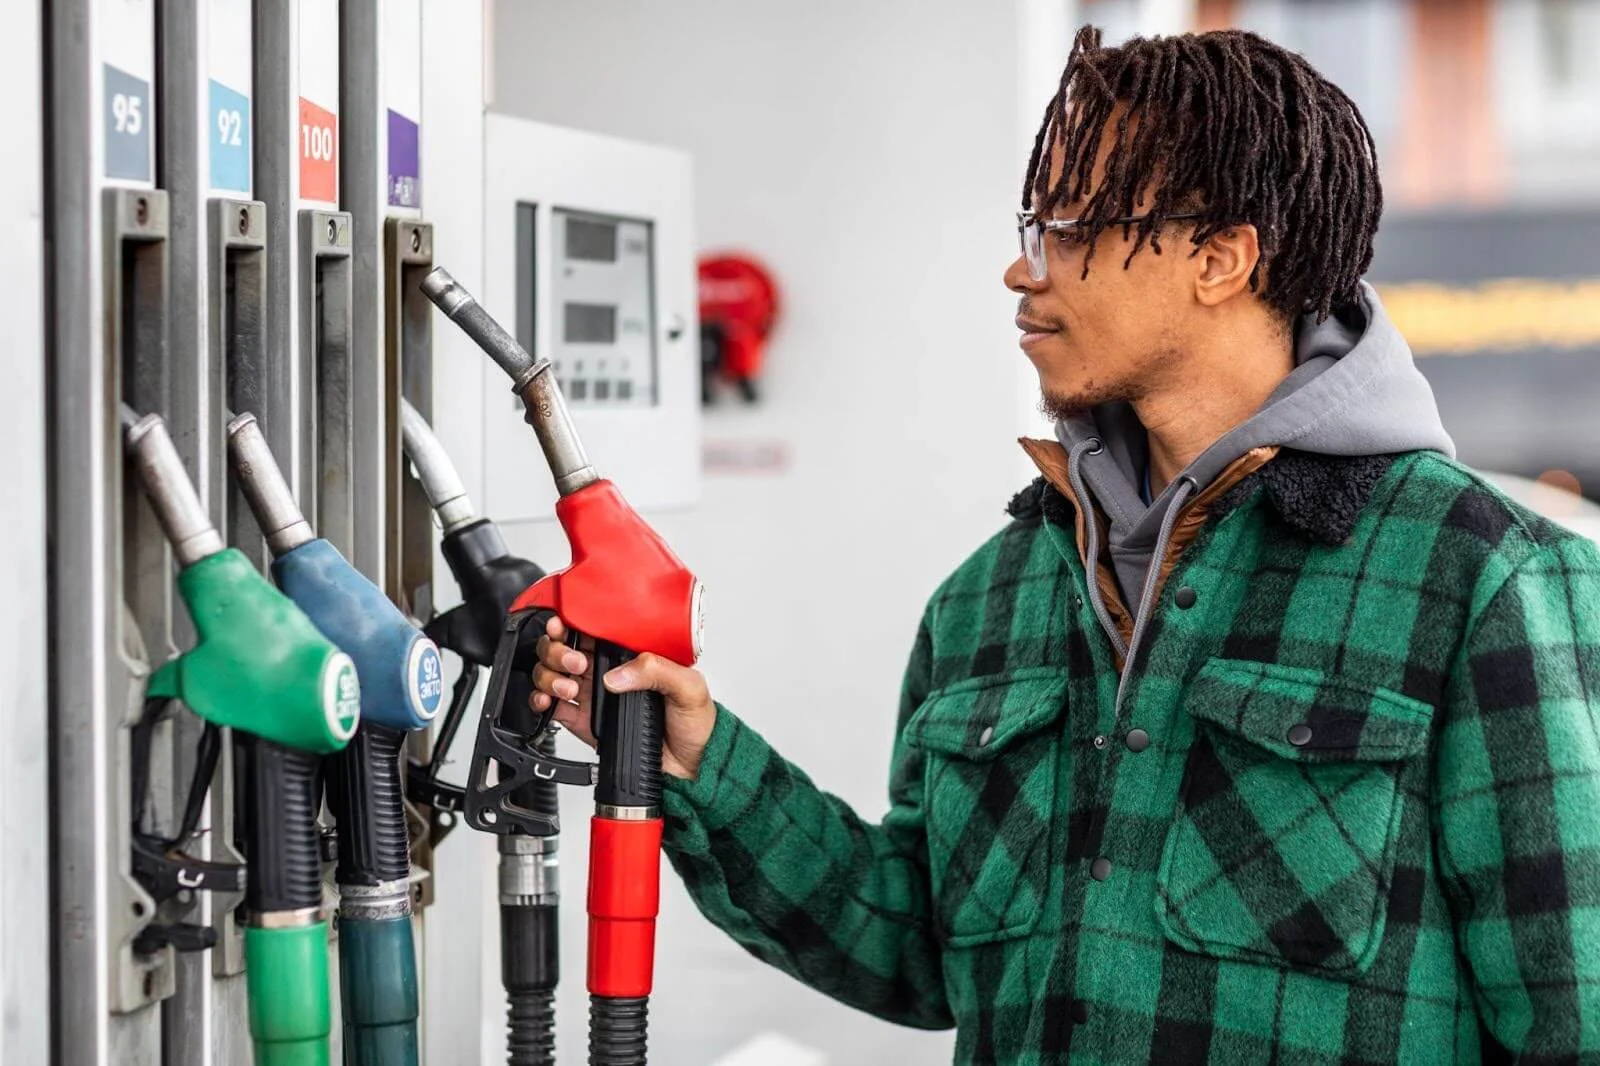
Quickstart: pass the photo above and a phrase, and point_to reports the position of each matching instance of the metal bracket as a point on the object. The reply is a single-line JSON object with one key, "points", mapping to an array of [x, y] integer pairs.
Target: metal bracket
{"points": [[327, 376], [136, 317], [236, 241], [408, 532]]}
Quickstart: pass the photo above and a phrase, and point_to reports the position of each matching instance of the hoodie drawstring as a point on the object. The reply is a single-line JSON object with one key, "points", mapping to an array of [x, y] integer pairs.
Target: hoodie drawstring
{"points": [[1092, 446], [1185, 488]]}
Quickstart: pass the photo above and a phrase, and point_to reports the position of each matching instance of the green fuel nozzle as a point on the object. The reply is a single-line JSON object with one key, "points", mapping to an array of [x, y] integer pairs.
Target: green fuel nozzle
{"points": [[262, 668], [259, 665]]}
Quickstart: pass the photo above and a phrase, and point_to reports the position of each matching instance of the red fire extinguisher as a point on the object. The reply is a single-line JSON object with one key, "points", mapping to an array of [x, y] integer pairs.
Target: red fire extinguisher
{"points": [[627, 591], [738, 309]]}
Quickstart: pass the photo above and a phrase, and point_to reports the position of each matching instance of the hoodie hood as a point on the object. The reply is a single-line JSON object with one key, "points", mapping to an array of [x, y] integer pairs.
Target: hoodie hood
{"points": [[1355, 390]]}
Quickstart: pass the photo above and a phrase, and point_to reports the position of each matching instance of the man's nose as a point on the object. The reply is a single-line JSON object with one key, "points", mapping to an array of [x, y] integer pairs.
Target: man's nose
{"points": [[1018, 279]]}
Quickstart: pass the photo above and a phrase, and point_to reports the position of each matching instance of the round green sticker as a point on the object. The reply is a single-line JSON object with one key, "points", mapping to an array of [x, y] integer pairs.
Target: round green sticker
{"points": [[341, 696]]}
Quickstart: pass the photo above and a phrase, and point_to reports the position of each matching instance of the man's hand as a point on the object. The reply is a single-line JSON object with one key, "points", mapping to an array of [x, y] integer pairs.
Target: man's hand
{"points": [[563, 675]]}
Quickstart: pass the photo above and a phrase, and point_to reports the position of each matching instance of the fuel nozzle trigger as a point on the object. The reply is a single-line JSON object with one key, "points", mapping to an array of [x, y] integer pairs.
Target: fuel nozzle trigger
{"points": [[160, 865], [513, 751]]}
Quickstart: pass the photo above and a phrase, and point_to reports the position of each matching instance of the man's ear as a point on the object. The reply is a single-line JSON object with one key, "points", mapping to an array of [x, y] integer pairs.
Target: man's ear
{"points": [[1223, 265]]}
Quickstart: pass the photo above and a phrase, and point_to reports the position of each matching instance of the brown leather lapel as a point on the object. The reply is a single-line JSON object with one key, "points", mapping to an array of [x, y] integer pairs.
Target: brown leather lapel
{"points": [[1051, 459]]}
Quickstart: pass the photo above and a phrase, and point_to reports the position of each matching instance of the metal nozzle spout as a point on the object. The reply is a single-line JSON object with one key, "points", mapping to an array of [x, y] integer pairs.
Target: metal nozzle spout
{"points": [[264, 487], [530, 378], [456, 302], [440, 481], [167, 485]]}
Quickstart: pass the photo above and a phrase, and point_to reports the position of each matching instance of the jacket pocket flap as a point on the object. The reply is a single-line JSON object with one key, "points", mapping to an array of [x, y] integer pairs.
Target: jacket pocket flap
{"points": [[1305, 714], [979, 717]]}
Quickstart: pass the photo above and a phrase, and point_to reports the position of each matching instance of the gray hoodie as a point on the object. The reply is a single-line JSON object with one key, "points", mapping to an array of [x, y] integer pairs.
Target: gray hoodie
{"points": [[1355, 390]]}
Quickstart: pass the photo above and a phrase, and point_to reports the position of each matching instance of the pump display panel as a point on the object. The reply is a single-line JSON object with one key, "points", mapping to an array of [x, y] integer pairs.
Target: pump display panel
{"points": [[604, 346]]}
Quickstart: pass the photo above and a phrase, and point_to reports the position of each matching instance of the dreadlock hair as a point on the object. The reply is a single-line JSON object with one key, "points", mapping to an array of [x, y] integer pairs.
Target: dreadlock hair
{"points": [[1229, 126]]}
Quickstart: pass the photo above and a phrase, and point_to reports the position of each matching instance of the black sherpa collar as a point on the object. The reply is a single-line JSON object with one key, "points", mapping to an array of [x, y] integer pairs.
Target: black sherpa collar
{"points": [[1319, 496]]}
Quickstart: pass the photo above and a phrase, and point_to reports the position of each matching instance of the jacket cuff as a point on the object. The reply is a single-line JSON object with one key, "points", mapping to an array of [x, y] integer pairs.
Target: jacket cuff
{"points": [[729, 777]]}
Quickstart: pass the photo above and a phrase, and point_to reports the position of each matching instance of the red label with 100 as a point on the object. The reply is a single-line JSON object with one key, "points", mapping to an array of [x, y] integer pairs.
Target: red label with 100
{"points": [[319, 153]]}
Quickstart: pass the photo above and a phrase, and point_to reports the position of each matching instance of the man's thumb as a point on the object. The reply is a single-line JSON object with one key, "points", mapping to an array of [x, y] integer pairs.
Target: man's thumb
{"points": [[644, 672]]}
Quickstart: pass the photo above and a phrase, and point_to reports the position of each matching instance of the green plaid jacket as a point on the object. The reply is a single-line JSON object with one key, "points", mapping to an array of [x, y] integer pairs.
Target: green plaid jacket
{"points": [[1350, 812]]}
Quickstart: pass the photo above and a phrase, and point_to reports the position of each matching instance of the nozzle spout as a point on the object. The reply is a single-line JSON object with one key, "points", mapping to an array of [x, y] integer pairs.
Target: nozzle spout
{"points": [[440, 481], [458, 304], [166, 483], [264, 487], [530, 378]]}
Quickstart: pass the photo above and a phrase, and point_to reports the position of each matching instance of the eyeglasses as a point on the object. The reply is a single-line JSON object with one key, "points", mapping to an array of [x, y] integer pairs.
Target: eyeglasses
{"points": [[1031, 231]]}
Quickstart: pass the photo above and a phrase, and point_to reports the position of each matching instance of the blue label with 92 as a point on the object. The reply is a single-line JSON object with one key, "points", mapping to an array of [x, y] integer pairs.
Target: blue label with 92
{"points": [[230, 139]]}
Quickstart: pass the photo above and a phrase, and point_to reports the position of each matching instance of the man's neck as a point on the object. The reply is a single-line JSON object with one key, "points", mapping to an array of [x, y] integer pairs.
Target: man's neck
{"points": [[1218, 390]]}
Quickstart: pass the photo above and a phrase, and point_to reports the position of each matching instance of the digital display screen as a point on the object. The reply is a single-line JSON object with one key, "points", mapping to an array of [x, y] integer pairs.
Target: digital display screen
{"points": [[602, 310], [589, 323], [591, 241]]}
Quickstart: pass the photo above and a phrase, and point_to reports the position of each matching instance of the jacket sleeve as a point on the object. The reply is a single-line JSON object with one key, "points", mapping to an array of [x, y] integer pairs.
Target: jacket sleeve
{"points": [[1517, 806], [801, 882]]}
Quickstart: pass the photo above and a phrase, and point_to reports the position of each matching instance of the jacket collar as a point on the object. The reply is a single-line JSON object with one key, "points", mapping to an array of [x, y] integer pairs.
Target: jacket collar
{"points": [[1320, 497]]}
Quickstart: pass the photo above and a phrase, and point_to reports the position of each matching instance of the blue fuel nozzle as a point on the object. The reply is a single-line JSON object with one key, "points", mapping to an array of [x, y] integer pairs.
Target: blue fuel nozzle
{"points": [[402, 681]]}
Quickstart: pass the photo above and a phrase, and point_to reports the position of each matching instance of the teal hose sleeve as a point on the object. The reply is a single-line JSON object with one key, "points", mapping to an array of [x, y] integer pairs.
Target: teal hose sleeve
{"points": [[378, 990]]}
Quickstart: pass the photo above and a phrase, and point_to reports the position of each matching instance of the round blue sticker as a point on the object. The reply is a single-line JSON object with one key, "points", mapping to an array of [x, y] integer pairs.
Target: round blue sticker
{"points": [[427, 679]]}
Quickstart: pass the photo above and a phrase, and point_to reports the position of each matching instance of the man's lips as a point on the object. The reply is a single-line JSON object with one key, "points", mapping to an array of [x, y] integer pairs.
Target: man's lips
{"points": [[1033, 332]]}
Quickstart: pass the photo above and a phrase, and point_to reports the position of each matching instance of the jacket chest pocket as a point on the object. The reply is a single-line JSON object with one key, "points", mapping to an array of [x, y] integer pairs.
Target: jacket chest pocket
{"points": [[990, 800], [1283, 847]]}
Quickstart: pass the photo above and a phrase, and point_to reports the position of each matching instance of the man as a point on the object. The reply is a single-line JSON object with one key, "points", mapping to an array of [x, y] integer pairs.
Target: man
{"points": [[1264, 732]]}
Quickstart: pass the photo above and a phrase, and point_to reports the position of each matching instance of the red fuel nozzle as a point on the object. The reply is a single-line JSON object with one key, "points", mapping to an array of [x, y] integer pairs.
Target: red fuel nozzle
{"points": [[627, 591], [624, 585]]}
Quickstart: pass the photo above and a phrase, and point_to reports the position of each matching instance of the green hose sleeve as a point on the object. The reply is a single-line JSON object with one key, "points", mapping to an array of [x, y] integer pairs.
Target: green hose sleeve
{"points": [[287, 984]]}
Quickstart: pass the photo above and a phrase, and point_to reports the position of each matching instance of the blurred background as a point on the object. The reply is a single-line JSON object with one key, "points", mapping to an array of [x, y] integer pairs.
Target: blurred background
{"points": [[870, 155]]}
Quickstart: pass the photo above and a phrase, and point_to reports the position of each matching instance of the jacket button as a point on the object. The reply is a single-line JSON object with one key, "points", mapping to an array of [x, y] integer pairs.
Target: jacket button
{"points": [[1100, 869], [985, 736], [1184, 598], [1137, 740], [1300, 735]]}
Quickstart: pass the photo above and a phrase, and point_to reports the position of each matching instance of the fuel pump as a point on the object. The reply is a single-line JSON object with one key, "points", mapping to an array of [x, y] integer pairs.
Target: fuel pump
{"points": [[627, 592], [400, 691], [261, 668], [490, 579]]}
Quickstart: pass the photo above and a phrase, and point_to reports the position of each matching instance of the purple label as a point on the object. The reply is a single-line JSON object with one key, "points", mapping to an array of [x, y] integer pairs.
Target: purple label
{"points": [[405, 163]]}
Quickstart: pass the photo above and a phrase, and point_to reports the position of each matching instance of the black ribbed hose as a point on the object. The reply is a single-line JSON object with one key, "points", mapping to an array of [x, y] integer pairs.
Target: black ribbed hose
{"points": [[364, 792], [279, 814], [530, 956], [618, 1030]]}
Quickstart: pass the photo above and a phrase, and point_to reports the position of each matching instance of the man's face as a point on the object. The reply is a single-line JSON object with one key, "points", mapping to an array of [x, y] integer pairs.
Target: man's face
{"points": [[1113, 334]]}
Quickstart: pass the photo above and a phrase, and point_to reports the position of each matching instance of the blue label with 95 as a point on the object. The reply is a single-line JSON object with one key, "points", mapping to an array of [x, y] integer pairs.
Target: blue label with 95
{"points": [[127, 125], [230, 139]]}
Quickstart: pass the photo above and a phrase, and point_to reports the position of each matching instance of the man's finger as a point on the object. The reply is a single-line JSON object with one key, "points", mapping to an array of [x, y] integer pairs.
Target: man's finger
{"points": [[554, 629], [555, 683], [557, 656]]}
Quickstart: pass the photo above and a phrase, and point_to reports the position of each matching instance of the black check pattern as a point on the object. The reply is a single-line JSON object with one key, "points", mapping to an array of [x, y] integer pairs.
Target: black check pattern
{"points": [[1365, 829]]}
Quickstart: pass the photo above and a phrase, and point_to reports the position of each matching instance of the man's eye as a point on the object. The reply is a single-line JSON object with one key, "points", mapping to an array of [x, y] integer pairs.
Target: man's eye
{"points": [[1072, 237]]}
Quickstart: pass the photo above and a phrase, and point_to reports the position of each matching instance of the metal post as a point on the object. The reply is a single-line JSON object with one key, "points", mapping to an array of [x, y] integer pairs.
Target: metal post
{"points": [[109, 578], [25, 933]]}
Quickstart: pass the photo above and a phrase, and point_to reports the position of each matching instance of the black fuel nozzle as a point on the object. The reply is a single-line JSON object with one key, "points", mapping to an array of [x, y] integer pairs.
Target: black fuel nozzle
{"points": [[511, 785], [489, 578]]}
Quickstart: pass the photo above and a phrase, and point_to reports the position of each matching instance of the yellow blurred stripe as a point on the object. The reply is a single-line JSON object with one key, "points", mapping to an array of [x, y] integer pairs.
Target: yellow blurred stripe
{"points": [[1507, 313]]}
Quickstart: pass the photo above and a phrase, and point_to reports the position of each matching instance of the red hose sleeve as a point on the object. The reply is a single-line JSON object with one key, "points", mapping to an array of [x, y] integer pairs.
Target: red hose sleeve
{"points": [[624, 898]]}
